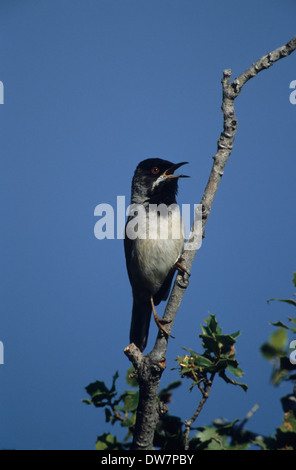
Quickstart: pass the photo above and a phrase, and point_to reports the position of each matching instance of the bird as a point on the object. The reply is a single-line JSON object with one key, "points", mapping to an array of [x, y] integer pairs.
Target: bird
{"points": [[153, 242]]}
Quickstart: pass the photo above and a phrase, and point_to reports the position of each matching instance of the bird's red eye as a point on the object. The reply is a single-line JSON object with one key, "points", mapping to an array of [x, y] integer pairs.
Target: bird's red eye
{"points": [[155, 170]]}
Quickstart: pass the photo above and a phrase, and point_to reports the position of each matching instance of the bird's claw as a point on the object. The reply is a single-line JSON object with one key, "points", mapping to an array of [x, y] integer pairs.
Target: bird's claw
{"points": [[182, 270], [160, 321]]}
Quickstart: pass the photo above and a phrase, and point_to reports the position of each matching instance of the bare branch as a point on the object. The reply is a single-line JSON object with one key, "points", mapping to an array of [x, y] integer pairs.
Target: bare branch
{"points": [[150, 367], [248, 416], [264, 63], [135, 356], [224, 147]]}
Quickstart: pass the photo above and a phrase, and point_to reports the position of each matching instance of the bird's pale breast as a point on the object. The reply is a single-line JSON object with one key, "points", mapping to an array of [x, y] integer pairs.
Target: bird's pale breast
{"points": [[160, 250]]}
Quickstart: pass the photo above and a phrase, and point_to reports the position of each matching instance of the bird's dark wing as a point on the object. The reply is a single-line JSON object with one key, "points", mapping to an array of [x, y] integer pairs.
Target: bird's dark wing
{"points": [[142, 308], [128, 253], [141, 316], [164, 291]]}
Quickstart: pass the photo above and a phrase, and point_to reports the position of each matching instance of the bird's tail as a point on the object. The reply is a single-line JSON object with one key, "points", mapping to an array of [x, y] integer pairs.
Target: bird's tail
{"points": [[140, 323]]}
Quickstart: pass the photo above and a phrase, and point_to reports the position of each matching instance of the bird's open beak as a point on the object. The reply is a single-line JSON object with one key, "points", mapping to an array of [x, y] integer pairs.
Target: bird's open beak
{"points": [[169, 173]]}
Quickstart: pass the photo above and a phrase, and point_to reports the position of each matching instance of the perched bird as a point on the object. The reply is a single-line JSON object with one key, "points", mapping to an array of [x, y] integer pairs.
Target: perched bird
{"points": [[154, 241]]}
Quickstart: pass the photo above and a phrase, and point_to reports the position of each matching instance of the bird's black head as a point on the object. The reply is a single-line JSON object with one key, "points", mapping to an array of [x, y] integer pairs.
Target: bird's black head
{"points": [[154, 181]]}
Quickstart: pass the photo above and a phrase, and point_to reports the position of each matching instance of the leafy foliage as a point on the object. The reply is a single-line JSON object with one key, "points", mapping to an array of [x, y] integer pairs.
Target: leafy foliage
{"points": [[283, 359], [118, 409], [121, 409], [218, 358], [222, 435], [279, 350]]}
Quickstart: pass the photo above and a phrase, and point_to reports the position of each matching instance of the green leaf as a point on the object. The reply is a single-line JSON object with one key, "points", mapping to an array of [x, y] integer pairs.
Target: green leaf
{"points": [[287, 301], [210, 438], [225, 340], [107, 441], [210, 343], [130, 379], [108, 415], [166, 393], [233, 382], [185, 370], [280, 324], [270, 352], [99, 393], [289, 422], [285, 434], [192, 353], [219, 365], [236, 334], [278, 339], [96, 388], [235, 370], [127, 423], [202, 362], [294, 279], [115, 377], [212, 325], [131, 400], [278, 376], [206, 434]]}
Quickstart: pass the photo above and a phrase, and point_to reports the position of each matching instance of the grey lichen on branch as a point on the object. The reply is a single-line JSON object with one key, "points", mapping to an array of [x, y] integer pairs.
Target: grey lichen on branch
{"points": [[149, 368], [264, 63]]}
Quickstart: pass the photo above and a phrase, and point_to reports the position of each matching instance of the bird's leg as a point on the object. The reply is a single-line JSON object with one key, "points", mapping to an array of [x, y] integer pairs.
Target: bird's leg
{"points": [[159, 321], [179, 266]]}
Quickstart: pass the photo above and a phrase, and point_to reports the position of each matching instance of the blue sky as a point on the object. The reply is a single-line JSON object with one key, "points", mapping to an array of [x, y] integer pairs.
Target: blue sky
{"points": [[92, 88]]}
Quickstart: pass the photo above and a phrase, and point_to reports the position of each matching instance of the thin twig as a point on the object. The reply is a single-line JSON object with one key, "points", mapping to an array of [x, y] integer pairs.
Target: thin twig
{"points": [[247, 417], [205, 395]]}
